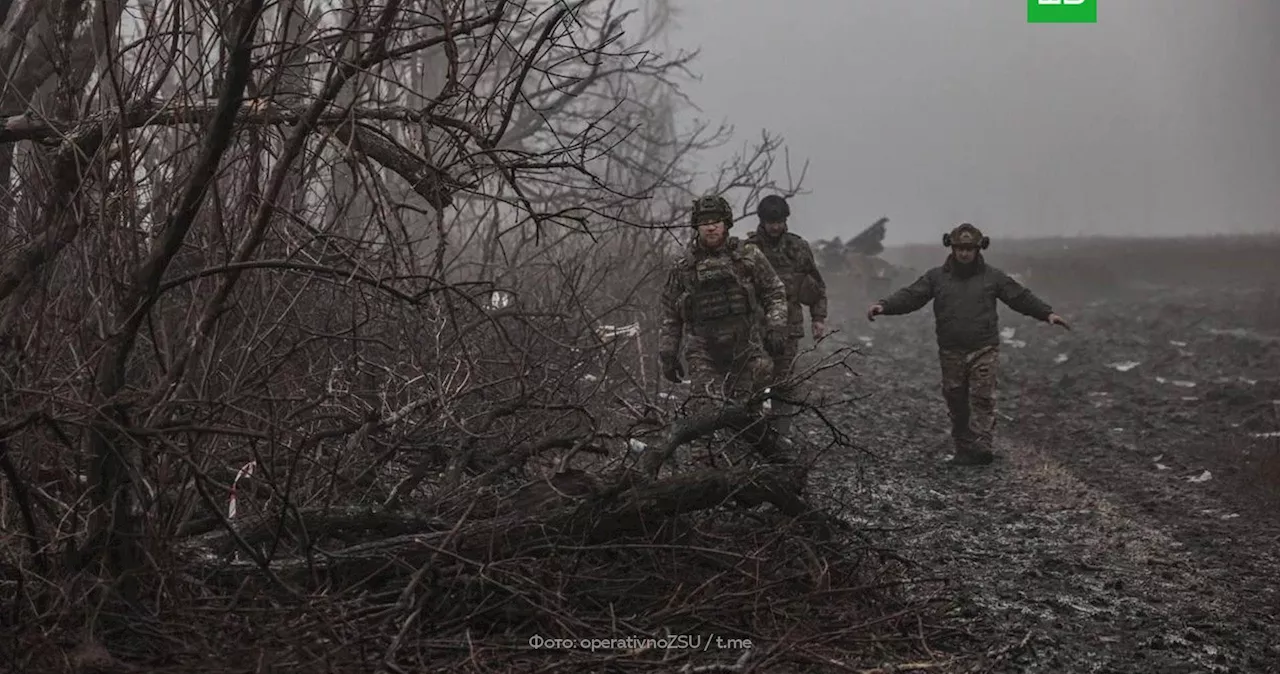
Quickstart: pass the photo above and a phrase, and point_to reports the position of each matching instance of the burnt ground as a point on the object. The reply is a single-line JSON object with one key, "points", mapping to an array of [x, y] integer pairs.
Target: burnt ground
{"points": [[1132, 523]]}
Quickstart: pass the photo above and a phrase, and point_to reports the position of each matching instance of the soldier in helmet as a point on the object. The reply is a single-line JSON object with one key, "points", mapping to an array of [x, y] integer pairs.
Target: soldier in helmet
{"points": [[964, 291], [792, 258], [727, 307]]}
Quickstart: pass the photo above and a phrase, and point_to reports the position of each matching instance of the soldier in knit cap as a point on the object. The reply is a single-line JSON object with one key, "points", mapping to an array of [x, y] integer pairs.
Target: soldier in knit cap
{"points": [[792, 258]]}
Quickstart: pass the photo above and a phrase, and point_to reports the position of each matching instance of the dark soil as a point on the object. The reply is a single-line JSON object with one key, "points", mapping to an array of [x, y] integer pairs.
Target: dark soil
{"points": [[1130, 524]]}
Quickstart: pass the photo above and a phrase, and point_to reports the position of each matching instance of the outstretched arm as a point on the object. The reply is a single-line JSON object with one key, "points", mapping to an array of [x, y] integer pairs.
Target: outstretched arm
{"points": [[1020, 298], [910, 298]]}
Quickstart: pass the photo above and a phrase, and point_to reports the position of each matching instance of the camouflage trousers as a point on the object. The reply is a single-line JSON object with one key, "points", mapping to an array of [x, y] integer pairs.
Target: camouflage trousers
{"points": [[717, 375], [725, 376], [784, 365], [969, 387]]}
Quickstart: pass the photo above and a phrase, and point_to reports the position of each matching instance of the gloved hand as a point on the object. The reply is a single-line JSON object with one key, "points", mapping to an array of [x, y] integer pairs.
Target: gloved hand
{"points": [[671, 367], [775, 341]]}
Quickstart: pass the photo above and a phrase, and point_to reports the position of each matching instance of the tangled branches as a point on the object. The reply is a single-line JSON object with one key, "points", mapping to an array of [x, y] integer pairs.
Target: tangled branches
{"points": [[378, 275]]}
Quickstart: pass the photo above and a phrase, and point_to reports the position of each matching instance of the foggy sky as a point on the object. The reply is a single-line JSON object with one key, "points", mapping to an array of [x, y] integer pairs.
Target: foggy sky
{"points": [[1159, 119]]}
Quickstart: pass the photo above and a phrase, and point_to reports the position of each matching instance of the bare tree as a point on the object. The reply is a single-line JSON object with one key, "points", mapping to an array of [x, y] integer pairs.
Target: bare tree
{"points": [[352, 270]]}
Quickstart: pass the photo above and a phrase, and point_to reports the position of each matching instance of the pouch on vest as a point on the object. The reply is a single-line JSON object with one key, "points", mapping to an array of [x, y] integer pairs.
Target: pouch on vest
{"points": [[718, 291]]}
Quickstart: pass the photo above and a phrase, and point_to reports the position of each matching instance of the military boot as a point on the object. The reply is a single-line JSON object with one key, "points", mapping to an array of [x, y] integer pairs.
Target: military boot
{"points": [[968, 455]]}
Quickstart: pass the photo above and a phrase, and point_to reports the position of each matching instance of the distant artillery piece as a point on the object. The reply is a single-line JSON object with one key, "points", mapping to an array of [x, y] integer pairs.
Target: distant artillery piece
{"points": [[856, 265]]}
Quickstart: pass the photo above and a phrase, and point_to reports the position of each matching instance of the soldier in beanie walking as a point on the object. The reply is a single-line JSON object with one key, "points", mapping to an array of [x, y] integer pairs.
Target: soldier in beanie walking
{"points": [[964, 291], [792, 258]]}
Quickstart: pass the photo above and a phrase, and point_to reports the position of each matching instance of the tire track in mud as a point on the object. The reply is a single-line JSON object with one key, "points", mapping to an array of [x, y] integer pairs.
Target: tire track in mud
{"points": [[1067, 555]]}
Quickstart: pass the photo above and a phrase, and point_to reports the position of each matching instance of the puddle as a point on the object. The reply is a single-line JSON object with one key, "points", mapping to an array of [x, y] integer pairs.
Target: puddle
{"points": [[1243, 333]]}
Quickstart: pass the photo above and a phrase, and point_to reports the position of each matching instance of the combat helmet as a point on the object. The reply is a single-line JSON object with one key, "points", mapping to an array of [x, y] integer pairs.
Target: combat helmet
{"points": [[711, 208], [965, 235], [773, 208]]}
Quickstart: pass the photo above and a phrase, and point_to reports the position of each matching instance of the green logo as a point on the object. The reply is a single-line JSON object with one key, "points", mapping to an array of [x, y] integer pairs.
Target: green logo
{"points": [[1062, 11]]}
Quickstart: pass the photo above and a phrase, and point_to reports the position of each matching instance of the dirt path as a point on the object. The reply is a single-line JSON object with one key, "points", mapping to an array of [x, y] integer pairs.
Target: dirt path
{"points": [[1096, 545]]}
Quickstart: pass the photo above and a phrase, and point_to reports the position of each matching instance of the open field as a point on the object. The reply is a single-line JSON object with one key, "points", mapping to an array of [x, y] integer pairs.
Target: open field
{"points": [[1131, 526]]}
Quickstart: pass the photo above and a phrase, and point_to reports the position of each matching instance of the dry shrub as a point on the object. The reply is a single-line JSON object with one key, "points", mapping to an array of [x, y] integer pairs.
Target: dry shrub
{"points": [[353, 267]]}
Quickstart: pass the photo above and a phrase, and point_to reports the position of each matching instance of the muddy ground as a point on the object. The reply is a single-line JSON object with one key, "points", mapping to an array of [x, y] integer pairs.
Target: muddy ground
{"points": [[1132, 523]]}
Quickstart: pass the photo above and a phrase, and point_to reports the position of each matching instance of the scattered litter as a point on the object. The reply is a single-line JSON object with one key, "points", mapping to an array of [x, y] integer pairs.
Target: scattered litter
{"points": [[1158, 457], [635, 446], [865, 340], [501, 299], [1124, 366], [1161, 466], [666, 396], [1006, 336], [1230, 516], [590, 377], [1267, 434], [1117, 430], [1183, 383], [246, 471], [1060, 359], [608, 333], [1202, 477], [1175, 342]]}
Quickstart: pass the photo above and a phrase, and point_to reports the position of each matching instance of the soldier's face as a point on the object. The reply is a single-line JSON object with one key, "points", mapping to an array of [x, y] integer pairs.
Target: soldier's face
{"points": [[712, 234], [965, 254], [775, 228]]}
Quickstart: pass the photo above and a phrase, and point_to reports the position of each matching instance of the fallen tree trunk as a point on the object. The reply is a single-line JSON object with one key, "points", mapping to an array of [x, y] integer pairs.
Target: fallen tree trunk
{"points": [[530, 523]]}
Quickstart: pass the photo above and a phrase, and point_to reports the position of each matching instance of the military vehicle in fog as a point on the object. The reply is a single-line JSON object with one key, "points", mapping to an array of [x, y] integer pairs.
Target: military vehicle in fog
{"points": [[855, 270]]}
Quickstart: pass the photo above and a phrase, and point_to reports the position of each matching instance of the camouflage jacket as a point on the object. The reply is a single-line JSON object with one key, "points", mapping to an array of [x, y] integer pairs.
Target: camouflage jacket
{"points": [[792, 258], [724, 294], [964, 305]]}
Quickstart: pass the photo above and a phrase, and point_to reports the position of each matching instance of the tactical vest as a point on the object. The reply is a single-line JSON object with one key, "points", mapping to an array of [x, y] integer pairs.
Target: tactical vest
{"points": [[717, 288]]}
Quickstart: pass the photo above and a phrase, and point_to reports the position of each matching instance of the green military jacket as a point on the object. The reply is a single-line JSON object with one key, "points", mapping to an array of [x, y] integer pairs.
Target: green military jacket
{"points": [[964, 302], [792, 258]]}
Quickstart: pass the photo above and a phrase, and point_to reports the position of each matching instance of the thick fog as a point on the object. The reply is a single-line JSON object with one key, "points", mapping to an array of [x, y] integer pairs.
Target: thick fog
{"points": [[1160, 119]]}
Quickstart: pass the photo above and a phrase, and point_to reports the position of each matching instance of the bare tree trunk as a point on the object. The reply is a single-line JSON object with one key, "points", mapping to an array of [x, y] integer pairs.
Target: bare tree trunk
{"points": [[116, 531]]}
